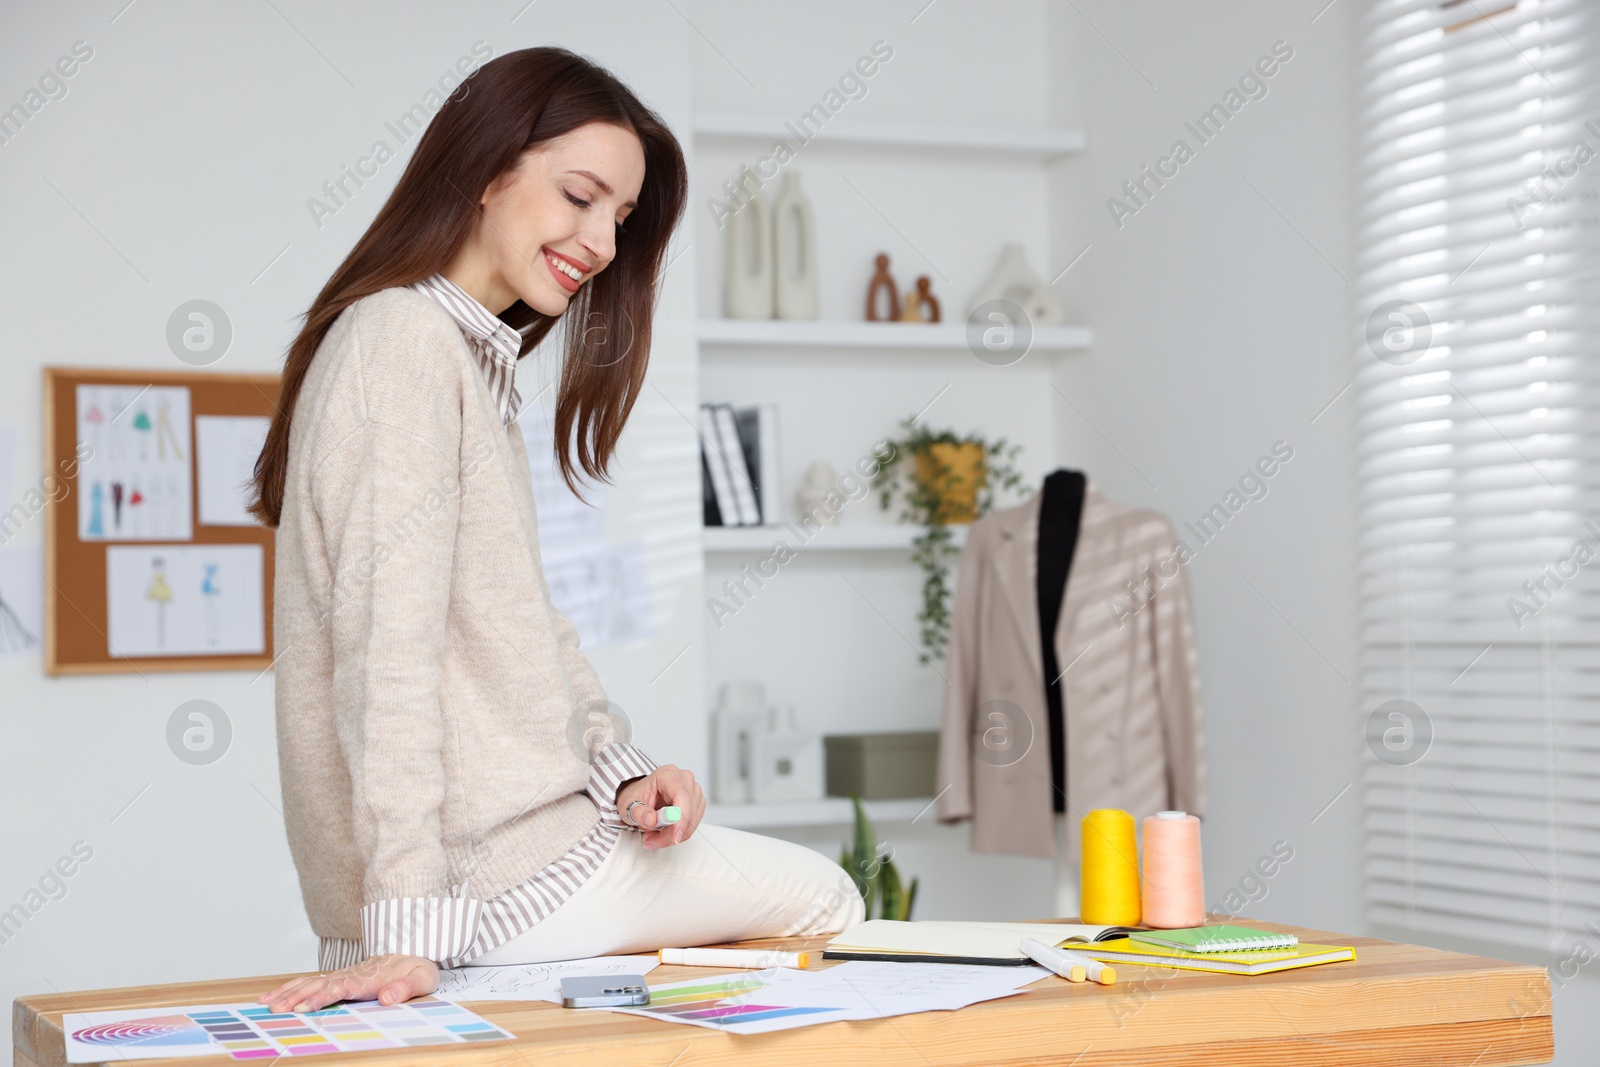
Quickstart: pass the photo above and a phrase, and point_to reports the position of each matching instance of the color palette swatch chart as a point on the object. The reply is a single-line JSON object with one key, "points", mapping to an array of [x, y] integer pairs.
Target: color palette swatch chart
{"points": [[732, 1002], [758, 1002], [255, 1032]]}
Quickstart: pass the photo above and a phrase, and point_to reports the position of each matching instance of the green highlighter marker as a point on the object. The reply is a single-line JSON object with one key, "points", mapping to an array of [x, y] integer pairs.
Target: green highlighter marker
{"points": [[669, 814]]}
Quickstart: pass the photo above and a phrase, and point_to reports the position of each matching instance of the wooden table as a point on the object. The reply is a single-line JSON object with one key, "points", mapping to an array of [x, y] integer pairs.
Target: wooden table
{"points": [[1394, 1004]]}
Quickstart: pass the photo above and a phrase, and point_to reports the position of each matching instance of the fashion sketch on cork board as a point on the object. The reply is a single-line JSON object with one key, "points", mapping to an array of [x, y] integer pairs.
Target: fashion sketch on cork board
{"points": [[184, 600], [134, 475]]}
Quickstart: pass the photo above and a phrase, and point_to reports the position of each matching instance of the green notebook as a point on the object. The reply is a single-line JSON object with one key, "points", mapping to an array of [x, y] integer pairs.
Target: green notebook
{"points": [[1218, 938]]}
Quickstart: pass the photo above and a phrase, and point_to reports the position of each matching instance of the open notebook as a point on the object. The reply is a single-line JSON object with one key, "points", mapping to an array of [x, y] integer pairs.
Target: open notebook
{"points": [[934, 941]]}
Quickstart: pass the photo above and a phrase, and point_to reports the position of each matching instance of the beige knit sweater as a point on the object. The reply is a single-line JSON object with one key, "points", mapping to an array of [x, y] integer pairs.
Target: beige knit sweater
{"points": [[425, 685]]}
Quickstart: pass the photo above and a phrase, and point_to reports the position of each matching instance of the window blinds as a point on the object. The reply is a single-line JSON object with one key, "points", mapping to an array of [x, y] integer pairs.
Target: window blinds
{"points": [[1478, 158]]}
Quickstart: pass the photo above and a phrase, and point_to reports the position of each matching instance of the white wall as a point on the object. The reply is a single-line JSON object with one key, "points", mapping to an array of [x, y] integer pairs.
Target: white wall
{"points": [[1220, 328]]}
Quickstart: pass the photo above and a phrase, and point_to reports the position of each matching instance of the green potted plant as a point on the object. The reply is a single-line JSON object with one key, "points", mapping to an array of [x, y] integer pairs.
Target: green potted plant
{"points": [[951, 480], [876, 877]]}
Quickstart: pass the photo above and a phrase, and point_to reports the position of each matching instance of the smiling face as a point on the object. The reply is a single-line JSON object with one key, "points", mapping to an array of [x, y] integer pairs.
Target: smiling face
{"points": [[549, 224]]}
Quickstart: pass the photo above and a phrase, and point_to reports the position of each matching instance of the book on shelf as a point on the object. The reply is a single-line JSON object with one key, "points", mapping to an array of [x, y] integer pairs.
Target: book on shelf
{"points": [[711, 512], [744, 493], [758, 436], [715, 462], [740, 481]]}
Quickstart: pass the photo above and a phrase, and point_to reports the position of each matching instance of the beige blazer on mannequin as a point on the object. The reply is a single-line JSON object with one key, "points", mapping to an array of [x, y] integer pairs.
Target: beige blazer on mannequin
{"points": [[1130, 689]]}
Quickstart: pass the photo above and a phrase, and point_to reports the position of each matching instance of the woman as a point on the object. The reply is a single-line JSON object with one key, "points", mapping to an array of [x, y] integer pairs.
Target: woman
{"points": [[454, 788]]}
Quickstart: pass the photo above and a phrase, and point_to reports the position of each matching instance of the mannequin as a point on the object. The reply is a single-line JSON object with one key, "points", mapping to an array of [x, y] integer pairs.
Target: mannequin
{"points": [[1130, 694], [1060, 512]]}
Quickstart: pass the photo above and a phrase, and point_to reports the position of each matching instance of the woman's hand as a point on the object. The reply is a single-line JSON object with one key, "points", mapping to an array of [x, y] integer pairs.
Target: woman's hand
{"points": [[667, 785], [387, 979]]}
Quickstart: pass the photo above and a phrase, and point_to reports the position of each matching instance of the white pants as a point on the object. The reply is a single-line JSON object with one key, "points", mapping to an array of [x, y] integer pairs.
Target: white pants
{"points": [[720, 885]]}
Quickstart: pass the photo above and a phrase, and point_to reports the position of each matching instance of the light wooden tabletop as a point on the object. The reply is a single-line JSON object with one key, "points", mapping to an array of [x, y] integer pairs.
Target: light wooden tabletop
{"points": [[1394, 1004]]}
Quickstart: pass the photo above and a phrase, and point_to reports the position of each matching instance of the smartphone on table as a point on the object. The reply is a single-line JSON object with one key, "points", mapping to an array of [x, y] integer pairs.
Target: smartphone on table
{"points": [[604, 990]]}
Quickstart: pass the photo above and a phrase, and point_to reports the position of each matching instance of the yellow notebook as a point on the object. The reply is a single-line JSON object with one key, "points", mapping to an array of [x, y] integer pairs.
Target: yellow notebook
{"points": [[1254, 961]]}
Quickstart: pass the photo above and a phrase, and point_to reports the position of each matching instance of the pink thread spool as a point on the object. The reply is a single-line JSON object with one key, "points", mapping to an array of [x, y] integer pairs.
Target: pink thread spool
{"points": [[1171, 881]]}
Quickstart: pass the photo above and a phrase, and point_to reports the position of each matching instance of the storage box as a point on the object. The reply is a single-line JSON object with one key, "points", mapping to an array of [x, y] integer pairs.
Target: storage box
{"points": [[883, 766]]}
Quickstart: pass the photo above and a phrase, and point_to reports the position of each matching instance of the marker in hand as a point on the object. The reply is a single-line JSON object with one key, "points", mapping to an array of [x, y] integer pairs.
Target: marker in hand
{"points": [[664, 816]]}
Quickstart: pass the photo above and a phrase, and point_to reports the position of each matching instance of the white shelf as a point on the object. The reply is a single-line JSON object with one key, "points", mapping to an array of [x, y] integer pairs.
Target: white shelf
{"points": [[829, 811], [1037, 143], [907, 336], [885, 536]]}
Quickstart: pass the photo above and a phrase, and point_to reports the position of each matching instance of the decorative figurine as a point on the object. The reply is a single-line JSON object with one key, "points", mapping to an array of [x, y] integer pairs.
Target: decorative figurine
{"points": [[1015, 281], [919, 299], [881, 279]]}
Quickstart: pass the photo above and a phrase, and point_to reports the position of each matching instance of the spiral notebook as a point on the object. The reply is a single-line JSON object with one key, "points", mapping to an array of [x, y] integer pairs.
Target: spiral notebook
{"points": [[1216, 938], [1252, 961]]}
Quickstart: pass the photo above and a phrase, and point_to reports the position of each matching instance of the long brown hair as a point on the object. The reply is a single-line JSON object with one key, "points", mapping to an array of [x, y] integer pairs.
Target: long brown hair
{"points": [[511, 104]]}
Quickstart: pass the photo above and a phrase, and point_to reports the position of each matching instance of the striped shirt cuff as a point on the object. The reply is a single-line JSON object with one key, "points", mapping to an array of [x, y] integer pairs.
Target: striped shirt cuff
{"points": [[436, 928], [613, 765]]}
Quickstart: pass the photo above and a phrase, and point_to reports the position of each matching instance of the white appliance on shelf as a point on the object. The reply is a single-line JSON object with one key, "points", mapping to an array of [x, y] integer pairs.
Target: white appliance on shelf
{"points": [[758, 755], [741, 711], [785, 763]]}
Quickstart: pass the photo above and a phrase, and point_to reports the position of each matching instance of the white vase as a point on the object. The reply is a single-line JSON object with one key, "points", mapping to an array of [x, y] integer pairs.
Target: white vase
{"points": [[794, 246], [812, 496], [747, 286], [1015, 281]]}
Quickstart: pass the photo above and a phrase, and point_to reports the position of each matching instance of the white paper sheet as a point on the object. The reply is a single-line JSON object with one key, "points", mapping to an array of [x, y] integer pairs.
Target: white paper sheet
{"points": [[565, 522], [603, 589], [21, 599], [898, 988], [184, 600], [532, 981], [758, 1002], [226, 448], [134, 484], [8, 464], [605, 592]]}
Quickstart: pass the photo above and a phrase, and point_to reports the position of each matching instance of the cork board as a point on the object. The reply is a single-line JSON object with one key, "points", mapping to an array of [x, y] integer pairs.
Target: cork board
{"points": [[150, 562]]}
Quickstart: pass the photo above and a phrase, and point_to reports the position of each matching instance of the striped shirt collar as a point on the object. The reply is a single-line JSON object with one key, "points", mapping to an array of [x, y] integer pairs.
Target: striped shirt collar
{"points": [[494, 343]]}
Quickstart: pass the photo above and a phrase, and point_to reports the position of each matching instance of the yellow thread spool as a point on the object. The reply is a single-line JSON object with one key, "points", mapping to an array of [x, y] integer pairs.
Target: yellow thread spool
{"points": [[1109, 876]]}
